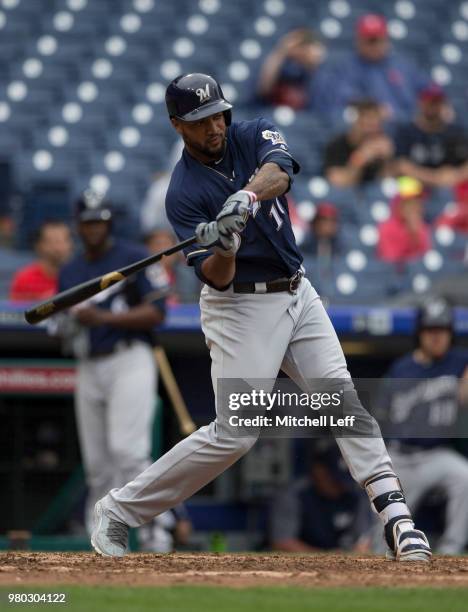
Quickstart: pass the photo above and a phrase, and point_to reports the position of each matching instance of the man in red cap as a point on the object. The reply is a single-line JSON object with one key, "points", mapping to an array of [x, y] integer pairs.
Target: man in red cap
{"points": [[372, 37], [375, 71], [430, 148]]}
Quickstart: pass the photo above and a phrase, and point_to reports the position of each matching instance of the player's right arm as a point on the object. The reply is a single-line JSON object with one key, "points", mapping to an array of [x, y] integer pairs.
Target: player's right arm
{"points": [[213, 255], [219, 270], [269, 182]]}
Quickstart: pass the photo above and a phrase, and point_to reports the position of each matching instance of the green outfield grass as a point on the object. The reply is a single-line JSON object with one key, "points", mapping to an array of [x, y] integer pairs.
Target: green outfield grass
{"points": [[277, 599]]}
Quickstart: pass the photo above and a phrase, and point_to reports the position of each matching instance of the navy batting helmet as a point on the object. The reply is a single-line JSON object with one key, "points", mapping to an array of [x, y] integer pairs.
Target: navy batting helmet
{"points": [[192, 97], [436, 313], [92, 206]]}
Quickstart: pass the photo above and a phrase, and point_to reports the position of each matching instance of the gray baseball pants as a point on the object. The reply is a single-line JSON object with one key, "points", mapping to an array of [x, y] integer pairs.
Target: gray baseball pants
{"points": [[114, 405], [445, 469], [249, 336]]}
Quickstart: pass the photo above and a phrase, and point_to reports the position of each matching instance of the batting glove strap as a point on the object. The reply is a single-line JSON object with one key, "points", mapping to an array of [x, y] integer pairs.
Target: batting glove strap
{"points": [[251, 194]]}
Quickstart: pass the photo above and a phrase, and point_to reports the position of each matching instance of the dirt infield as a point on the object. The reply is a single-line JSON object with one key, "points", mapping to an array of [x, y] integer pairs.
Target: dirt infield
{"points": [[234, 570]]}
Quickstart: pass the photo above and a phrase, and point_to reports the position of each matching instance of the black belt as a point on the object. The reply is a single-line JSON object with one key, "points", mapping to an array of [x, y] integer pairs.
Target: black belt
{"points": [[275, 286]]}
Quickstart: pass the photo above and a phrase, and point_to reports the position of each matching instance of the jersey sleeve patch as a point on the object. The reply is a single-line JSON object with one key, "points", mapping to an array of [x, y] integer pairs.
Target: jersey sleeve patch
{"points": [[275, 137]]}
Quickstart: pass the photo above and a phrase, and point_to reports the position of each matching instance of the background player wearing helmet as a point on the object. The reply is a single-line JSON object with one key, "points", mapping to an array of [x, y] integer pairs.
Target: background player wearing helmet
{"points": [[112, 338], [258, 313], [427, 387]]}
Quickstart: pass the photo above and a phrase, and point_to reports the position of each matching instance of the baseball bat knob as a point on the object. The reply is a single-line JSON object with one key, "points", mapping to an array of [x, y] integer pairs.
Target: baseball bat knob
{"points": [[30, 317], [38, 313]]}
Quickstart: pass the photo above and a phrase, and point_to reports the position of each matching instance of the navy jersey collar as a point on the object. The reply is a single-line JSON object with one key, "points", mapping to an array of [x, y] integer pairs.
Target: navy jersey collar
{"points": [[224, 167]]}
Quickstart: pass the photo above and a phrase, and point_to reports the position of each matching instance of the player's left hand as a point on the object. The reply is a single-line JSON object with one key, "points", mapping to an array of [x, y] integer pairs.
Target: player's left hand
{"points": [[208, 235], [91, 316], [235, 212]]}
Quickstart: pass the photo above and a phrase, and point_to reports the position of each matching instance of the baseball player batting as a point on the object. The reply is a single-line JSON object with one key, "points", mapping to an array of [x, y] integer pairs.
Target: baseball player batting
{"points": [[258, 312]]}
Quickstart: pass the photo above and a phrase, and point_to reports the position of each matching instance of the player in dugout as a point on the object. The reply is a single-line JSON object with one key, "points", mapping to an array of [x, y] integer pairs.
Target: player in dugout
{"points": [[111, 336], [425, 394], [322, 509]]}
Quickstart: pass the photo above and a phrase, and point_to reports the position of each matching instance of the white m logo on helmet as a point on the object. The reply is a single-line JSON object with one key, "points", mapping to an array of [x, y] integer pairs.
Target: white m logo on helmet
{"points": [[203, 94]]}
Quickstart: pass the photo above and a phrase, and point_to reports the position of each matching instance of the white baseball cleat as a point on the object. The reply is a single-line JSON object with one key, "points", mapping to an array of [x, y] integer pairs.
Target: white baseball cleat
{"points": [[411, 545], [109, 537]]}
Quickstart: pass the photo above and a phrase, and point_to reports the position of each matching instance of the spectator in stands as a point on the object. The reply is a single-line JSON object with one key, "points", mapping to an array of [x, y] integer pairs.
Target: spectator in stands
{"points": [[321, 511], [430, 148], [405, 235], [38, 280], [456, 216], [364, 152], [422, 396], [183, 285], [287, 74], [374, 70], [323, 241]]}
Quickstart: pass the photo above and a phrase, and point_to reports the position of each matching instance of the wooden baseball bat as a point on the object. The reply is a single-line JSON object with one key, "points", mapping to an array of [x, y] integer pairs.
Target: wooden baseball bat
{"points": [[187, 426], [82, 292]]}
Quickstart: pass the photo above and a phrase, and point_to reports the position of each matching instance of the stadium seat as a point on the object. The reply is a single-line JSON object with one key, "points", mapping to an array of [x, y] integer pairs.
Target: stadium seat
{"points": [[373, 283], [420, 275], [47, 198], [42, 166], [135, 142], [10, 143], [452, 245]]}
